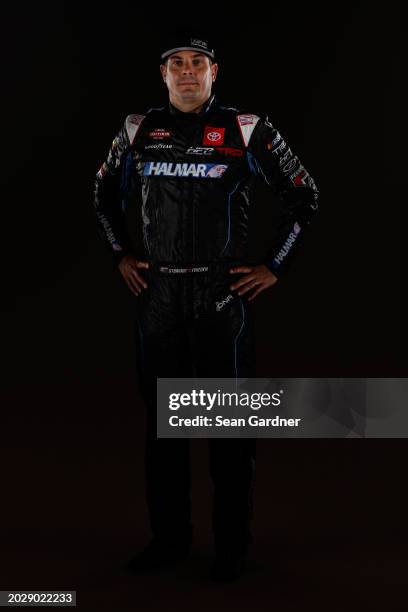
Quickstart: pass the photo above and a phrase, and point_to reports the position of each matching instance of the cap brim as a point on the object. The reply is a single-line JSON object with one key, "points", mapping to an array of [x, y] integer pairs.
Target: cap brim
{"points": [[171, 51]]}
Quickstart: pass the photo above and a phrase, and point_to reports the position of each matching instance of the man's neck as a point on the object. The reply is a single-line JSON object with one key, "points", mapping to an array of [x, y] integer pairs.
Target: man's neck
{"points": [[189, 107]]}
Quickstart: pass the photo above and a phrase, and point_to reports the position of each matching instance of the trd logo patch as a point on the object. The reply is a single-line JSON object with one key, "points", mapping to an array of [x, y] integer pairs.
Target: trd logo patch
{"points": [[228, 151], [213, 136], [231, 151]]}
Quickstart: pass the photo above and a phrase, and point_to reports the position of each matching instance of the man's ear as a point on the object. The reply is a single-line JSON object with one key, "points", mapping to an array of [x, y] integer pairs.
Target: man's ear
{"points": [[214, 71], [163, 70]]}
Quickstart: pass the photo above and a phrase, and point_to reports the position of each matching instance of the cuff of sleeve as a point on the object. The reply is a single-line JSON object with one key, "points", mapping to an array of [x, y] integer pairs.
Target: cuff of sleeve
{"points": [[278, 271], [118, 256]]}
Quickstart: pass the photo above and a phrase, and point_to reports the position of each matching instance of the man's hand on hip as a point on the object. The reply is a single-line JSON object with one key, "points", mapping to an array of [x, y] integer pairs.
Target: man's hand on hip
{"points": [[130, 268], [257, 278]]}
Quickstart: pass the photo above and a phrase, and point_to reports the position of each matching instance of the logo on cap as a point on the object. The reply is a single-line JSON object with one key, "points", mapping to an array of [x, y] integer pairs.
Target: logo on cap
{"points": [[199, 43]]}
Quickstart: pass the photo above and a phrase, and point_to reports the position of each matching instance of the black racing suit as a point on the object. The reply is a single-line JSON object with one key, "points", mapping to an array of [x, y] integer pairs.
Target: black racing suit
{"points": [[194, 173]]}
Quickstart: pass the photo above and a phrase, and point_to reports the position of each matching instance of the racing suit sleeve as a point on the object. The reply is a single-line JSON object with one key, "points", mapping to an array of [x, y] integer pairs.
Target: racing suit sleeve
{"points": [[109, 196], [271, 158]]}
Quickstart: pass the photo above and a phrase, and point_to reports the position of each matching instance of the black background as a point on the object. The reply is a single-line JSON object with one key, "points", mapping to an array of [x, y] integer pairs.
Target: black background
{"points": [[330, 77]]}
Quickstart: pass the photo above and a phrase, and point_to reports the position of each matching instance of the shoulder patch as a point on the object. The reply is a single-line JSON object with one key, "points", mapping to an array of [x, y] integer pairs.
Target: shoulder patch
{"points": [[247, 123], [133, 123]]}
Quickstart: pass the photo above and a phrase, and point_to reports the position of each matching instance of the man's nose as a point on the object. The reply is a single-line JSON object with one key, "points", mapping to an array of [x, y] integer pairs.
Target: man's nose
{"points": [[187, 68]]}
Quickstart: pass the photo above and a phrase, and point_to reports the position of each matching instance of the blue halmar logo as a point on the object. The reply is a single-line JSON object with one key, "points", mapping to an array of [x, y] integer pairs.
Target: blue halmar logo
{"points": [[184, 169]]}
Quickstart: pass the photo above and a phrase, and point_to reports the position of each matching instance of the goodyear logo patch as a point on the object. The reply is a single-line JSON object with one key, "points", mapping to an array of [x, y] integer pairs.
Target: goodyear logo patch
{"points": [[184, 169]]}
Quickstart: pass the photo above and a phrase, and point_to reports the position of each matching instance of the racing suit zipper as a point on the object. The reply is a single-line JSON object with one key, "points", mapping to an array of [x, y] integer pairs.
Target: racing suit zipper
{"points": [[193, 140], [196, 138]]}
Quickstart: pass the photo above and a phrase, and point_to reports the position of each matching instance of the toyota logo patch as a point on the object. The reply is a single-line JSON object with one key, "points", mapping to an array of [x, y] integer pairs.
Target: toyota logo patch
{"points": [[213, 136]]}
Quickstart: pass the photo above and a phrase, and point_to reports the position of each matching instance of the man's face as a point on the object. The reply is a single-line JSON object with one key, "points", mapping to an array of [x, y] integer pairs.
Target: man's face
{"points": [[189, 76]]}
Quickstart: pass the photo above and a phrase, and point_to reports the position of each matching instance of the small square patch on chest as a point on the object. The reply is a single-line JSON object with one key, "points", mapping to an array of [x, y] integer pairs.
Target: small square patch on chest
{"points": [[159, 133], [213, 136]]}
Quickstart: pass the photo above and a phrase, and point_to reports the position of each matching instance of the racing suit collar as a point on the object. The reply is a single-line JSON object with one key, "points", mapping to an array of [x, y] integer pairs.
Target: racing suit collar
{"points": [[207, 106]]}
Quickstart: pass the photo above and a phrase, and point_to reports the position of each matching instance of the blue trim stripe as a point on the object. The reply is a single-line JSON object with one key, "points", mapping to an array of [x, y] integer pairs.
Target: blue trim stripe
{"points": [[255, 167], [231, 193], [237, 337]]}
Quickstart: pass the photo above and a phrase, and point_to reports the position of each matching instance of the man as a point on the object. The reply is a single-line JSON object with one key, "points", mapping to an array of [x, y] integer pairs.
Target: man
{"points": [[193, 162]]}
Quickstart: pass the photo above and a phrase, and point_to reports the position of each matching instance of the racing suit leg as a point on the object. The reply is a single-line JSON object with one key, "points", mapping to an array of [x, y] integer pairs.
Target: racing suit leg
{"points": [[163, 351], [182, 334], [225, 347]]}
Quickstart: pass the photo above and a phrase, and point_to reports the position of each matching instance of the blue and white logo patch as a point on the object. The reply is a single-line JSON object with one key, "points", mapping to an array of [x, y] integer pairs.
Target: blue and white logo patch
{"points": [[184, 169]]}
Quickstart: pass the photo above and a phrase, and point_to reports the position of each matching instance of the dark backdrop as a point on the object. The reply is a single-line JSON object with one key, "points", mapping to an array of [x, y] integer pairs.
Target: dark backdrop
{"points": [[329, 75]]}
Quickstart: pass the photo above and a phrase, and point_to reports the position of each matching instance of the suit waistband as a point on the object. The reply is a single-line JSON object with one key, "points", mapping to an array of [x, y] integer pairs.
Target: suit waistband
{"points": [[196, 268]]}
